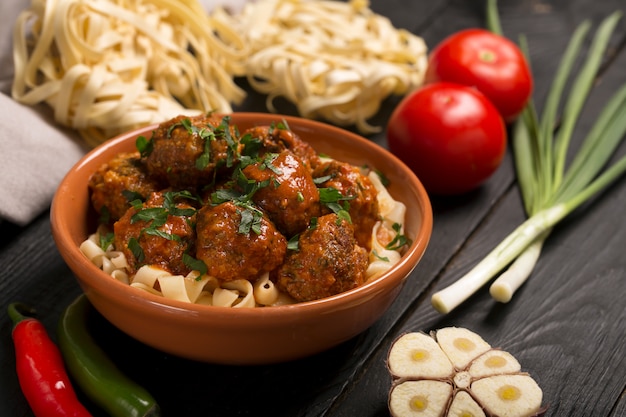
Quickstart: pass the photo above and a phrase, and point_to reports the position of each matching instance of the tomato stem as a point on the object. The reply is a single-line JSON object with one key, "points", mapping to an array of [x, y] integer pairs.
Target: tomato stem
{"points": [[487, 55]]}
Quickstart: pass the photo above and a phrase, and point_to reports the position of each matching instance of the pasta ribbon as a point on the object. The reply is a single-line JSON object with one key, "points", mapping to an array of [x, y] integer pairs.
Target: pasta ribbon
{"points": [[392, 212]]}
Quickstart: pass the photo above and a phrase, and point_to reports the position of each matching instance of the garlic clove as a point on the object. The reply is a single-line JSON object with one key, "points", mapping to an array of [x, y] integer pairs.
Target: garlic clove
{"points": [[417, 355], [494, 362], [461, 345], [508, 395], [463, 405], [424, 398]]}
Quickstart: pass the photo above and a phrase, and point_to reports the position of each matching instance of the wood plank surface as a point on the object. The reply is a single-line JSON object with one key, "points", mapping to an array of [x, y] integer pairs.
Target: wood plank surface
{"points": [[551, 325], [566, 326]]}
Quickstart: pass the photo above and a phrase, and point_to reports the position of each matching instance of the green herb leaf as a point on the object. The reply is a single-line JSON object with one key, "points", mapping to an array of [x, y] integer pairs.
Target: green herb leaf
{"points": [[294, 243], [330, 195], [132, 196], [377, 256], [399, 239], [223, 131], [343, 215], [205, 158], [251, 220], [321, 180], [144, 146], [252, 146], [136, 204], [156, 215], [195, 265], [282, 125], [225, 194], [268, 162], [105, 215], [106, 240], [156, 232], [136, 250]]}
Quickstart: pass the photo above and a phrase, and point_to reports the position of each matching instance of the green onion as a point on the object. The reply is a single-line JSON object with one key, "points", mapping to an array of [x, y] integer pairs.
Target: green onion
{"points": [[550, 190]]}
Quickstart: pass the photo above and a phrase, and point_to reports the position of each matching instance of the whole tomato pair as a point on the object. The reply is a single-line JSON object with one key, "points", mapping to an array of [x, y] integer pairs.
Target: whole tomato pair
{"points": [[452, 131]]}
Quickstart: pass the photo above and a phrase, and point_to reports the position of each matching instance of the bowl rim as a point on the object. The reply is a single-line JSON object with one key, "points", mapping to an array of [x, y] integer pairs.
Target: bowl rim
{"points": [[93, 275]]}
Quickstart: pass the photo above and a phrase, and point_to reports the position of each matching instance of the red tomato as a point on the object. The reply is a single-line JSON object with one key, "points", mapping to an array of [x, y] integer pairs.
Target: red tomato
{"points": [[489, 62], [450, 135]]}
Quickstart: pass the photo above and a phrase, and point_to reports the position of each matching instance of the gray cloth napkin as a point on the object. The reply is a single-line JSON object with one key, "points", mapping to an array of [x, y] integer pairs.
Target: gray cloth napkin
{"points": [[34, 157], [35, 154]]}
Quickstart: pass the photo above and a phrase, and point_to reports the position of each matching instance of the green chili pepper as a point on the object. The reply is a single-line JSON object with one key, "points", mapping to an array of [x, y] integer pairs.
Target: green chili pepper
{"points": [[94, 372]]}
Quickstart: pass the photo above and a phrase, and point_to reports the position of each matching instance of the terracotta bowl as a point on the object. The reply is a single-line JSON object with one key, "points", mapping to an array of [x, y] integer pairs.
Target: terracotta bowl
{"points": [[231, 335]]}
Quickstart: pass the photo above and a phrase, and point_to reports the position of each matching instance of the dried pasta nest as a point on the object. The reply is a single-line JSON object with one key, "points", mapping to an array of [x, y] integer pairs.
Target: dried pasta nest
{"points": [[333, 60], [454, 372], [106, 67], [109, 66]]}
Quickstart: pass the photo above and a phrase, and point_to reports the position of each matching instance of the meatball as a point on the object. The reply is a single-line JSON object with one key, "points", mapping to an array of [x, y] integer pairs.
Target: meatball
{"points": [[290, 197], [119, 181], [328, 261], [181, 157], [157, 234], [231, 253], [275, 139], [360, 193]]}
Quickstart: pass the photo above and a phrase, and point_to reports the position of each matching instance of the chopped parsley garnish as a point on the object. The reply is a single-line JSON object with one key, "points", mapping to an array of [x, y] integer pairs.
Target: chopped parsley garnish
{"points": [[223, 131], [144, 146], [205, 133], [251, 219], [135, 248], [294, 243], [105, 215], [399, 240], [332, 198], [322, 180], [279, 126], [242, 194], [106, 240], [157, 217], [132, 195], [377, 256], [195, 265], [205, 157], [330, 195], [268, 162], [251, 146], [343, 215], [164, 235], [209, 134]]}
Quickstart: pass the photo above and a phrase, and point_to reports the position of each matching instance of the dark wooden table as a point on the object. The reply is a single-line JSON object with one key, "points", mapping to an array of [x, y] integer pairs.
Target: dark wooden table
{"points": [[566, 326]]}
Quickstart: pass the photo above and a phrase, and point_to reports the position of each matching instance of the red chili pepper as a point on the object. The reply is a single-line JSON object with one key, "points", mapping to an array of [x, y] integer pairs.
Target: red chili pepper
{"points": [[40, 368]]}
